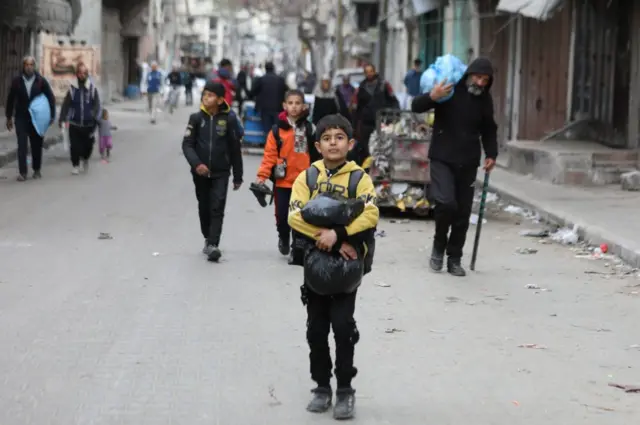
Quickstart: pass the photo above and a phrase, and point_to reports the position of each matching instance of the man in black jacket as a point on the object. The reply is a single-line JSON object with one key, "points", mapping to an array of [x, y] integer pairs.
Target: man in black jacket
{"points": [[211, 145], [462, 124], [269, 91], [373, 94], [25, 88]]}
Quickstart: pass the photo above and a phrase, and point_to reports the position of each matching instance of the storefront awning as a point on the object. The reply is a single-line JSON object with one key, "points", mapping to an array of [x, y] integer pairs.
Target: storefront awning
{"points": [[536, 9]]}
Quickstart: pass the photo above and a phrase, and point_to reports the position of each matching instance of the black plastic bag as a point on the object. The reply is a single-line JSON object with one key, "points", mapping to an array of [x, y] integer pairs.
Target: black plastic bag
{"points": [[329, 210], [327, 273]]}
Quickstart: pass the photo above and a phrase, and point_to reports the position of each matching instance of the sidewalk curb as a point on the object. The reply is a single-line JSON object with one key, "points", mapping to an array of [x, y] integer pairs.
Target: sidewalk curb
{"points": [[12, 155], [627, 250]]}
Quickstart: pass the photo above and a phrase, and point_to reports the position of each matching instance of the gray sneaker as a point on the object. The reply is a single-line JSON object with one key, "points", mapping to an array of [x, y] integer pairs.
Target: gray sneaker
{"points": [[345, 403], [321, 400], [213, 253]]}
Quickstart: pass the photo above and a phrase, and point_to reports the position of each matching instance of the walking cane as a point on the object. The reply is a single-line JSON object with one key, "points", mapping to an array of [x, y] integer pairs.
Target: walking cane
{"points": [[476, 241]]}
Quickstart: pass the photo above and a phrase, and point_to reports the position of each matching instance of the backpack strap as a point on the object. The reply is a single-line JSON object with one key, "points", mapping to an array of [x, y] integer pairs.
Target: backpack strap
{"points": [[276, 135], [312, 179], [354, 181]]}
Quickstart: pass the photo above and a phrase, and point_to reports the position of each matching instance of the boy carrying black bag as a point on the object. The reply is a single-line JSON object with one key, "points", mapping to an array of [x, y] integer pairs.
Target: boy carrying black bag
{"points": [[334, 307]]}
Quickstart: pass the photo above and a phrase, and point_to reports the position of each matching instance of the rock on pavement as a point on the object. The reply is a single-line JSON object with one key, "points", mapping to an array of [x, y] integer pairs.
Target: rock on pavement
{"points": [[630, 181]]}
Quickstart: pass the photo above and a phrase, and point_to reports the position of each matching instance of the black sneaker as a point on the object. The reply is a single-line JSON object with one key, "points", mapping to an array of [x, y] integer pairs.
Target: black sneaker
{"points": [[21, 178], [321, 400], [213, 253], [455, 268], [437, 261], [283, 246], [37, 175], [345, 403]]}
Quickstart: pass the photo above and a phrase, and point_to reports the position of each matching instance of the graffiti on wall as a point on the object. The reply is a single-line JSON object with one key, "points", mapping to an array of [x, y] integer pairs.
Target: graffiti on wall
{"points": [[59, 64]]}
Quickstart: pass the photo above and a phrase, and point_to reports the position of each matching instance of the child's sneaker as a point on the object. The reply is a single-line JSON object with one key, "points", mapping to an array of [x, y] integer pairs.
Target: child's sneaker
{"points": [[75, 171], [213, 253], [321, 400], [345, 403]]}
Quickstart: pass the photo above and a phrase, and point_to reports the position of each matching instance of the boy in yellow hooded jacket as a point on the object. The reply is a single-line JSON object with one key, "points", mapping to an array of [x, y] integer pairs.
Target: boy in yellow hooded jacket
{"points": [[334, 174]]}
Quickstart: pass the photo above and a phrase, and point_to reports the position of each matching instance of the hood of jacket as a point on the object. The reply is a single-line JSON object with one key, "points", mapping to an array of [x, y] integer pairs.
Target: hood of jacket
{"points": [[347, 168], [480, 66], [88, 84], [283, 122], [224, 108]]}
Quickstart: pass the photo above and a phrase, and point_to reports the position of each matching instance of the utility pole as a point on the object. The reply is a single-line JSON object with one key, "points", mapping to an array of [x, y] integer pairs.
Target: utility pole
{"points": [[340, 36], [383, 33], [150, 21]]}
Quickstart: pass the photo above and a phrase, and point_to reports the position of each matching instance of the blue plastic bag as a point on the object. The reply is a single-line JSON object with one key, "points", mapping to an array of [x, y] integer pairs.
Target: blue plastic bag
{"points": [[447, 67], [40, 111]]}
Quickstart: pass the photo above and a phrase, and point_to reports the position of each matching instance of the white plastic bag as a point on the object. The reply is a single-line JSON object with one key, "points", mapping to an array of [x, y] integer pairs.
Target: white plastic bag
{"points": [[446, 68]]}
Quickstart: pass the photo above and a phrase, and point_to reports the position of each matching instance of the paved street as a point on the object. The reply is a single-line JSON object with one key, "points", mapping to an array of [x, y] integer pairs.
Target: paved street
{"points": [[141, 330]]}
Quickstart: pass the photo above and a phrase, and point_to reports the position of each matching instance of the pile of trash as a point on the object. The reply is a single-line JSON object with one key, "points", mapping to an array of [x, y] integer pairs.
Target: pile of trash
{"points": [[403, 196], [400, 147]]}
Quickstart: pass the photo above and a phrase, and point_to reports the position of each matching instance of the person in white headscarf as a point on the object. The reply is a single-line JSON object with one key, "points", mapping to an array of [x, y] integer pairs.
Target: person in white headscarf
{"points": [[327, 101]]}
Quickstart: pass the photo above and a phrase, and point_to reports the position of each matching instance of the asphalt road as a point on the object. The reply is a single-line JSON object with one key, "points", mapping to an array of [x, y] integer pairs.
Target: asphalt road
{"points": [[140, 329]]}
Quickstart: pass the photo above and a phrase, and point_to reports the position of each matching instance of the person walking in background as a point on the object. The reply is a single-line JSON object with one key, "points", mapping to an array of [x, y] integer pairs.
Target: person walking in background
{"points": [[347, 91], [81, 110], [25, 88], [154, 85], [328, 101], [104, 130], [175, 81], [242, 89], [211, 145], [412, 81], [225, 77], [462, 125], [187, 79], [373, 94], [269, 93]]}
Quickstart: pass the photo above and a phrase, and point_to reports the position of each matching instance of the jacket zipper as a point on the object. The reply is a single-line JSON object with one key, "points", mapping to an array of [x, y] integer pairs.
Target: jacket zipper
{"points": [[210, 142], [81, 107]]}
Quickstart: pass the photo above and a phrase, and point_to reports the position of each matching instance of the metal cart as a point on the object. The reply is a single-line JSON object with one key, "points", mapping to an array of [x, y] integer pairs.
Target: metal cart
{"points": [[400, 171]]}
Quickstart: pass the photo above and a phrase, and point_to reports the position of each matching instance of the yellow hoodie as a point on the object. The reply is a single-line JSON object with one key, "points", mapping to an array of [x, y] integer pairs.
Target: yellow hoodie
{"points": [[337, 183]]}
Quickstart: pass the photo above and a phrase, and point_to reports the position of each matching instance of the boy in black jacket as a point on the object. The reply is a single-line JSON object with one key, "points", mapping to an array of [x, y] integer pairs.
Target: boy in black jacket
{"points": [[211, 145], [334, 173]]}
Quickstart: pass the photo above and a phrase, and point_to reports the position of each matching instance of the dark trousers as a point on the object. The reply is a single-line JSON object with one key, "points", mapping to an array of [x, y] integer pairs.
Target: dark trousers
{"points": [[81, 141], [27, 135], [360, 151], [324, 312], [269, 119], [212, 200], [451, 190], [281, 201], [188, 92]]}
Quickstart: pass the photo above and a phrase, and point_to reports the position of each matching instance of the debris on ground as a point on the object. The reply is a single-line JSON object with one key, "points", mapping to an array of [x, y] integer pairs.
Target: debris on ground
{"points": [[473, 219], [156, 254], [526, 250], [272, 394], [630, 181], [606, 409], [380, 234], [634, 347], [382, 285], [534, 346], [532, 286], [535, 233], [105, 236], [392, 330], [566, 236], [626, 388], [403, 221]]}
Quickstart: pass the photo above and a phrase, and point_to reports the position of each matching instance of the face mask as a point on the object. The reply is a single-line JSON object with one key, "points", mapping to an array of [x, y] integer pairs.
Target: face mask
{"points": [[474, 89]]}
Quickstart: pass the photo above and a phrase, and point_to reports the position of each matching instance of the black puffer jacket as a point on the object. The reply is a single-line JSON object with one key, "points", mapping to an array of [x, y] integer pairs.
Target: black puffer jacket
{"points": [[463, 122], [214, 140]]}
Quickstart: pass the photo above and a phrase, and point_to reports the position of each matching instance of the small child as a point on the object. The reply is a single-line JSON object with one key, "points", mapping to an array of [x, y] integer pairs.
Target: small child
{"points": [[290, 146], [334, 137], [104, 131]]}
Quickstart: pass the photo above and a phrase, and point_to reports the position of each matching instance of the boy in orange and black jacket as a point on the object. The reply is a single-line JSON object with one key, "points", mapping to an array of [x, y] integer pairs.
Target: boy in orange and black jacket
{"points": [[290, 144]]}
